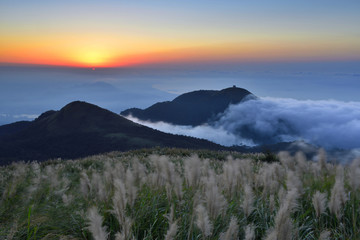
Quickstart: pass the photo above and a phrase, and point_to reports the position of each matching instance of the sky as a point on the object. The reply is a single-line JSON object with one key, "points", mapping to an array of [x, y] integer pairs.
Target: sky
{"points": [[301, 58], [127, 33]]}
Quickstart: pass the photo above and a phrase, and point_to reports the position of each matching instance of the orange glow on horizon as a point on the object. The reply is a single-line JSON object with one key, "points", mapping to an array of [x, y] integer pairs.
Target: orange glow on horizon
{"points": [[103, 54], [130, 33]]}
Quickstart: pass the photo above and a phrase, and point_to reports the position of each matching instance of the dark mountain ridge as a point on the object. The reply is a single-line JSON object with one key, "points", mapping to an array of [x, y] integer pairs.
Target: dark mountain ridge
{"points": [[80, 129], [193, 108]]}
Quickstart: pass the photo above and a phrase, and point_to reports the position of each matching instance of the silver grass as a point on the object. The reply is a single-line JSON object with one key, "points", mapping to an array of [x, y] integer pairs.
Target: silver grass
{"points": [[293, 181], [171, 216], [206, 169], [171, 232], [232, 231], [197, 199], [321, 157], [319, 203], [340, 172], [131, 188], [165, 169], [206, 176], [283, 223], [36, 179], [271, 234], [125, 233], [120, 236], [20, 169], [248, 202], [175, 185], [355, 163], [159, 163], [169, 191], [118, 171], [35, 167], [203, 221], [67, 199], [286, 160], [192, 170], [325, 235], [354, 175], [178, 186], [302, 163], [98, 186], [85, 184], [139, 170], [291, 200], [338, 198], [229, 176], [108, 177], [13, 230], [119, 201], [152, 180], [215, 201], [269, 177], [51, 174], [315, 169], [272, 203], [250, 232], [282, 194], [245, 167], [95, 227]]}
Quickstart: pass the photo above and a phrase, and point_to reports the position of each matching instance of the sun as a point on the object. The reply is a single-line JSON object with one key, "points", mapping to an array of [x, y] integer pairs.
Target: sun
{"points": [[93, 58]]}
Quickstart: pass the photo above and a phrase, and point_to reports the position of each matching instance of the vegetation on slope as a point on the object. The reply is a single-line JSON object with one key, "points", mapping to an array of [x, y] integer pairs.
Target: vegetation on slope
{"points": [[180, 194]]}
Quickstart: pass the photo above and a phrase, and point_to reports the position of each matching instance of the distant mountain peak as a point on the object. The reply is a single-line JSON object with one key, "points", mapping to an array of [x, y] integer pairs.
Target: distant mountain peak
{"points": [[79, 105], [192, 108]]}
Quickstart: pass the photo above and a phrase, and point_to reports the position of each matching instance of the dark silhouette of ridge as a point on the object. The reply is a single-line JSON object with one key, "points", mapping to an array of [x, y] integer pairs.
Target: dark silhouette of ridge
{"points": [[80, 129], [193, 108]]}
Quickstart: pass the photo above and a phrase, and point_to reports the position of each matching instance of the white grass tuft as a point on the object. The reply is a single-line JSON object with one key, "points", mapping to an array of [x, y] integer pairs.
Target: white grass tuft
{"points": [[250, 232], [338, 197], [319, 203], [325, 235], [248, 202], [232, 231], [215, 201], [95, 227], [203, 221], [192, 170], [171, 232]]}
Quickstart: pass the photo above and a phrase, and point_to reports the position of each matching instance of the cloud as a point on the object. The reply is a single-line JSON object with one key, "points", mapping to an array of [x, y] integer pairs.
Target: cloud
{"points": [[330, 124], [214, 134], [327, 123], [26, 116]]}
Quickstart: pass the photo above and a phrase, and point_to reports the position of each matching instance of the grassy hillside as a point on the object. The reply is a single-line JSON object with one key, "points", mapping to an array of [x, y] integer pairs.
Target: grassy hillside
{"points": [[180, 194]]}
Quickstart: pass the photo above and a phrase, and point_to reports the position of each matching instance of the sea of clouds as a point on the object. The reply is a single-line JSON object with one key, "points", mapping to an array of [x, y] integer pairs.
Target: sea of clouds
{"points": [[326, 123]]}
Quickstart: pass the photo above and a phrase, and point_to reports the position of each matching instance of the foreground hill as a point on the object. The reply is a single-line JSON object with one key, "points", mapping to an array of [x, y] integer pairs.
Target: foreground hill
{"points": [[193, 108], [81, 129]]}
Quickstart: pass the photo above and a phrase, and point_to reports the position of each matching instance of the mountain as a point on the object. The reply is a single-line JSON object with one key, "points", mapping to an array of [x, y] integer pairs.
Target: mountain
{"points": [[193, 108], [13, 128], [80, 129]]}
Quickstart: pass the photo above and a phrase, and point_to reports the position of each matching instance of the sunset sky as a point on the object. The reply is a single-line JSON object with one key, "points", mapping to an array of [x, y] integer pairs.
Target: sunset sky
{"points": [[127, 33], [146, 51]]}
